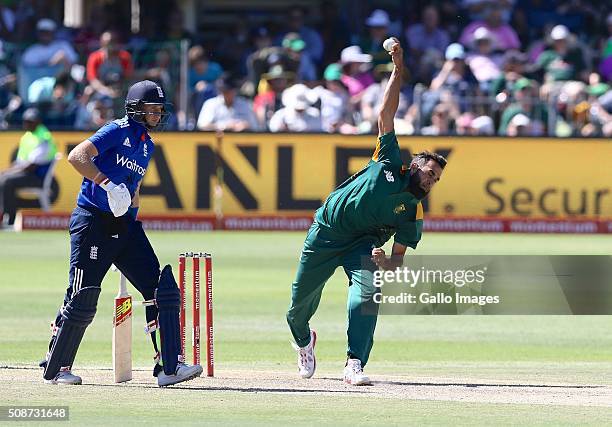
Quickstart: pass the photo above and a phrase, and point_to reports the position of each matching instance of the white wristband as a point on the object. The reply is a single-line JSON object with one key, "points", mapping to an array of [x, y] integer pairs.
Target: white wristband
{"points": [[107, 185]]}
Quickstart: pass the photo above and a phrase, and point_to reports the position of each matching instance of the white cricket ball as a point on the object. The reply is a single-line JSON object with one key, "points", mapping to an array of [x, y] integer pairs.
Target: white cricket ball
{"points": [[388, 44]]}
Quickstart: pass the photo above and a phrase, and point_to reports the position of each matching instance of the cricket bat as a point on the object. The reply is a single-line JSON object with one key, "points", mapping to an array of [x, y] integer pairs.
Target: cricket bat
{"points": [[122, 334]]}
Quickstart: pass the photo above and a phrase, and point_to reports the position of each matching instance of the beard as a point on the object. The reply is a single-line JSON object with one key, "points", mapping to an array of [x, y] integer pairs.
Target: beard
{"points": [[414, 186]]}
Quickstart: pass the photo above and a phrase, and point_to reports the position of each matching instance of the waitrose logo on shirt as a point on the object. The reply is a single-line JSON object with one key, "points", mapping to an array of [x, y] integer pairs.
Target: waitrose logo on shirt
{"points": [[131, 165]]}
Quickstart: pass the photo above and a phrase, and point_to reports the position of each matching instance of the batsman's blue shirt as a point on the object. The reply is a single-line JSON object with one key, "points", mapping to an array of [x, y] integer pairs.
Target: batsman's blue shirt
{"points": [[124, 150]]}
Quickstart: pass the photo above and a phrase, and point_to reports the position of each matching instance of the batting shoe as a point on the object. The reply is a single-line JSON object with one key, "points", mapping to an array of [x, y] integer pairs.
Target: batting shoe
{"points": [[353, 373], [65, 376], [184, 373], [307, 363]]}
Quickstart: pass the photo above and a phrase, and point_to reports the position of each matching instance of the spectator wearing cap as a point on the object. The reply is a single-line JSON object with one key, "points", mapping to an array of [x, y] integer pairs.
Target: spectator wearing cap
{"points": [[334, 98], [453, 83], [564, 67], [36, 151], [48, 51], [109, 66], [311, 37], [297, 59], [483, 63], [455, 75], [562, 61], [526, 103], [378, 31], [372, 99], [356, 75], [298, 114], [267, 103], [227, 111], [291, 56], [503, 37], [426, 39]]}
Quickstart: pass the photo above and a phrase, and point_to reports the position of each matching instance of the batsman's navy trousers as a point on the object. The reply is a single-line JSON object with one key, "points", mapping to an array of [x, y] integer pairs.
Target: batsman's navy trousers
{"points": [[99, 239]]}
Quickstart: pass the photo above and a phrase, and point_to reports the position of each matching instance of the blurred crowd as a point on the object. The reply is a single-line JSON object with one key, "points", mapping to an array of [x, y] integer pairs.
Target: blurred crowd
{"points": [[473, 67]]}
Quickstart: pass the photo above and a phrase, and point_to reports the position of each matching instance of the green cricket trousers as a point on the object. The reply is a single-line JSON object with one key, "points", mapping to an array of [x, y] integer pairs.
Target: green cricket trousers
{"points": [[324, 252]]}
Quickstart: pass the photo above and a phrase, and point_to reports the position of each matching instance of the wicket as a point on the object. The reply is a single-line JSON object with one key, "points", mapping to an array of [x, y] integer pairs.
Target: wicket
{"points": [[196, 256]]}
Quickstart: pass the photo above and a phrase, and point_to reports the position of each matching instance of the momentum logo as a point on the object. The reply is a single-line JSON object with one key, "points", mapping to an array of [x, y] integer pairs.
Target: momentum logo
{"points": [[131, 165]]}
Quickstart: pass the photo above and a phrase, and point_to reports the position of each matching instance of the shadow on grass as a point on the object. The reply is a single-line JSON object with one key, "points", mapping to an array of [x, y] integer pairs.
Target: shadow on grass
{"points": [[471, 385], [475, 385], [230, 389]]}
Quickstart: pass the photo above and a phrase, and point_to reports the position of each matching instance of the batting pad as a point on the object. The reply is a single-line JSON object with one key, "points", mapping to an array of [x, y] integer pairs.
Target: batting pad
{"points": [[76, 315], [168, 300]]}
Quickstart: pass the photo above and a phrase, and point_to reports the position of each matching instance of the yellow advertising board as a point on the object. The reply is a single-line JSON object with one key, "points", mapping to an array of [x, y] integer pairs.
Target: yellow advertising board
{"points": [[272, 174]]}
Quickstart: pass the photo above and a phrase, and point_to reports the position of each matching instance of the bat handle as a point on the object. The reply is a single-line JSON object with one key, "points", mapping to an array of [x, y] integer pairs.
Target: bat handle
{"points": [[122, 284]]}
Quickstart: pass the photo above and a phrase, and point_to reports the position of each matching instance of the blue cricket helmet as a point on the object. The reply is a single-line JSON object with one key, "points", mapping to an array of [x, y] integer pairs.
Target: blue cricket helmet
{"points": [[142, 93]]}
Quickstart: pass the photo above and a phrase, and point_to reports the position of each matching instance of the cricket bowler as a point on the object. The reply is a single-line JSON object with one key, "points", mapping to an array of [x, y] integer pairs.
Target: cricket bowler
{"points": [[104, 231], [358, 217]]}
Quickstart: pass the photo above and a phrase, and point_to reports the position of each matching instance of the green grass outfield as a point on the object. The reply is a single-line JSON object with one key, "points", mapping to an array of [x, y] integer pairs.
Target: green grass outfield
{"points": [[252, 277]]}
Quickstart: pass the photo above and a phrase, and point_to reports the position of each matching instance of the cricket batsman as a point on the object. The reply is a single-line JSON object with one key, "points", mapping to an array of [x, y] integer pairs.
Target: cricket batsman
{"points": [[358, 217], [104, 231]]}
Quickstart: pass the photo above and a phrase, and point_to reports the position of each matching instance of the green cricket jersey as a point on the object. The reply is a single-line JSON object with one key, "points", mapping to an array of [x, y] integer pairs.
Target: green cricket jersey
{"points": [[373, 202]]}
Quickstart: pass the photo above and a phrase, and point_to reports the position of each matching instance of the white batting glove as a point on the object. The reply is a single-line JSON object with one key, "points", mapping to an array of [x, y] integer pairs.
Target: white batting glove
{"points": [[119, 198]]}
